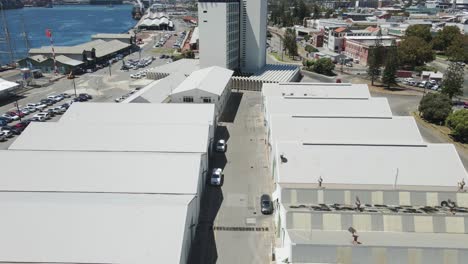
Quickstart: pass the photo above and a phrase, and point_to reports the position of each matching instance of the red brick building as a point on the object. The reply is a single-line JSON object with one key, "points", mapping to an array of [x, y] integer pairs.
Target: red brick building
{"points": [[357, 47]]}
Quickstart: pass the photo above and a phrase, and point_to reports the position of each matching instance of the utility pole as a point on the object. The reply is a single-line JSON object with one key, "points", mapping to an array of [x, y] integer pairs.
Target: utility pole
{"points": [[110, 70], [74, 86], [17, 107]]}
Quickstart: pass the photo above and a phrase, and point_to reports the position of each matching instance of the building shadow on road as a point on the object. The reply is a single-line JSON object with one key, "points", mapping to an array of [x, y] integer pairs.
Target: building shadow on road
{"points": [[230, 111], [203, 249], [222, 133], [10, 100]]}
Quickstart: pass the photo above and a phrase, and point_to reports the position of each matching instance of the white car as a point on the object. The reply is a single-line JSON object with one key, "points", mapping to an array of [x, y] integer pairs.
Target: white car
{"points": [[2, 136], [11, 117], [7, 133], [31, 109], [41, 116], [221, 145], [41, 106], [216, 177]]}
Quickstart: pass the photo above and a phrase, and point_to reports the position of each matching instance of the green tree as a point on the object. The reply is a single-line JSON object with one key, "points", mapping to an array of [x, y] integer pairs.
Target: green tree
{"points": [[315, 12], [324, 66], [421, 31], [307, 38], [188, 54], [391, 66], [444, 38], [329, 13], [435, 107], [458, 50], [458, 122], [290, 42], [452, 82], [310, 48], [374, 61], [414, 51]]}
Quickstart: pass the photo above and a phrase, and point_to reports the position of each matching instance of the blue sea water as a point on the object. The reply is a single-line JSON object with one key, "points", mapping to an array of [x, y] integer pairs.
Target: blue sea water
{"points": [[70, 25]]}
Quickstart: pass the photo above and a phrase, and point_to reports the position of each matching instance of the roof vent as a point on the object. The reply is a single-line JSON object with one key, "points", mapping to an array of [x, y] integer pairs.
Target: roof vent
{"points": [[283, 94], [283, 159], [291, 94], [305, 94]]}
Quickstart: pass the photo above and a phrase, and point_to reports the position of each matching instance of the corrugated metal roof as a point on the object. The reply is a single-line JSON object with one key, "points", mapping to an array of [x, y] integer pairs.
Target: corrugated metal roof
{"points": [[317, 90], [116, 137], [212, 79], [373, 107], [128, 172], [7, 85], [130, 114], [41, 227], [68, 61], [102, 47], [367, 164], [158, 91], [273, 73], [386, 131]]}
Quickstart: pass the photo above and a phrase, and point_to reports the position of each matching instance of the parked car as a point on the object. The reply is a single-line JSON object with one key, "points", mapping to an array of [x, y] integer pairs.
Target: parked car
{"points": [[221, 145], [32, 105], [41, 107], [41, 117], [31, 109], [2, 136], [65, 95], [11, 117], [3, 122], [47, 102], [216, 177], [12, 129], [7, 132], [266, 205], [17, 113], [59, 110], [51, 112], [87, 96]]}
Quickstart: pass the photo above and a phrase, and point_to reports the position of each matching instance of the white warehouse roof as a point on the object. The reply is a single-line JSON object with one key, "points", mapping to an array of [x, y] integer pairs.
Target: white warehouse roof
{"points": [[6, 86], [101, 172], [41, 227], [132, 114], [430, 165], [396, 131], [212, 79], [374, 107], [106, 137], [317, 90]]}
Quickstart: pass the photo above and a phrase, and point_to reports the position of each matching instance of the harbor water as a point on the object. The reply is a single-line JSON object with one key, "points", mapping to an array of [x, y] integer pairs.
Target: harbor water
{"points": [[70, 25]]}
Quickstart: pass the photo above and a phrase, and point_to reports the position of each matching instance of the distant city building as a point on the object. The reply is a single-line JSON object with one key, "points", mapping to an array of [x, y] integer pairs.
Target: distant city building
{"points": [[233, 34]]}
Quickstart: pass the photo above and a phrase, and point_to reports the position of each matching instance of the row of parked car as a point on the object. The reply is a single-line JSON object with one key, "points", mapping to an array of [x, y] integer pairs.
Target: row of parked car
{"points": [[125, 96], [42, 110], [136, 64], [180, 40], [163, 40], [429, 84], [217, 179]]}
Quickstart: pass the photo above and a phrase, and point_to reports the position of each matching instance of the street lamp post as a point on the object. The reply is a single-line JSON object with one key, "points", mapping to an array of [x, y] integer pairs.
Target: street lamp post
{"points": [[74, 86]]}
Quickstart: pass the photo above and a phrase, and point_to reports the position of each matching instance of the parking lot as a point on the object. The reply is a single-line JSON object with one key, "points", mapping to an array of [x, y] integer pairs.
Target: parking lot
{"points": [[232, 229], [104, 85]]}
